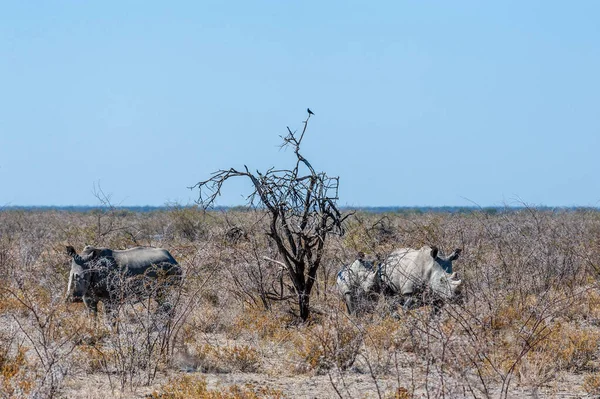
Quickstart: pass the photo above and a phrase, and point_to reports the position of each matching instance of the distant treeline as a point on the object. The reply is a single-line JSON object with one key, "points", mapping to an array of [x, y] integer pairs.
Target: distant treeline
{"points": [[368, 209]]}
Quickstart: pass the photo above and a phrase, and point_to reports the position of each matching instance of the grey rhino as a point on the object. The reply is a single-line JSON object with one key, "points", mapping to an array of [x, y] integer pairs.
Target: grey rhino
{"points": [[357, 283], [410, 274], [112, 276]]}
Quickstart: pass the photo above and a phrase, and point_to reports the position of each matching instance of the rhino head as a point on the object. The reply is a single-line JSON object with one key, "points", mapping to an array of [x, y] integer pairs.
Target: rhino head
{"points": [[447, 286], [81, 272], [445, 262], [445, 283]]}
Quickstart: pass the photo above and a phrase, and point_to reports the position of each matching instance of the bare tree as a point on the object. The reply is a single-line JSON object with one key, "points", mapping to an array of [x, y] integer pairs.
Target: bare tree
{"points": [[301, 203]]}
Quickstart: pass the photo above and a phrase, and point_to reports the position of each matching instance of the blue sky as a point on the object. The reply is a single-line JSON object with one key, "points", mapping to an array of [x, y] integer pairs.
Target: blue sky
{"points": [[416, 103]]}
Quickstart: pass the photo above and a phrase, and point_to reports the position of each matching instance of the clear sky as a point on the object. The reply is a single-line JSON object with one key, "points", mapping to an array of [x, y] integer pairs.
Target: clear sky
{"points": [[416, 102]]}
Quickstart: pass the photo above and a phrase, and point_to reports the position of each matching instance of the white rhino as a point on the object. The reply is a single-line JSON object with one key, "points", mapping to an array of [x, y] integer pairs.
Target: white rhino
{"points": [[358, 283], [411, 274]]}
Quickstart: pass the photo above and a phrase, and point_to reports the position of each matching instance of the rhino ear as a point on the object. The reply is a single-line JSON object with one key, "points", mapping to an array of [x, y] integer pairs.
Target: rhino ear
{"points": [[70, 251], [434, 252], [95, 253], [454, 255]]}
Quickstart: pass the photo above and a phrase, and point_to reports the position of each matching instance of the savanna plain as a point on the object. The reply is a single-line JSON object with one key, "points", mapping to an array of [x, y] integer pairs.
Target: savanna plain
{"points": [[529, 325]]}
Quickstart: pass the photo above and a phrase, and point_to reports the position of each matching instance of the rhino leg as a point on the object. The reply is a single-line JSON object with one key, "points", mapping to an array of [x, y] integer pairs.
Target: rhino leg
{"points": [[92, 306], [436, 308], [409, 302], [163, 298], [350, 305]]}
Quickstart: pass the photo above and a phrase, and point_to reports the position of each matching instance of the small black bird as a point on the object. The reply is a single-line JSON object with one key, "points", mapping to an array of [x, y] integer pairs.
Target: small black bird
{"points": [[309, 111]]}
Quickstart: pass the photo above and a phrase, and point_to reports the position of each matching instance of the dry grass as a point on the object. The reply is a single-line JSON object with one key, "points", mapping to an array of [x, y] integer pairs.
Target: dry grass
{"points": [[530, 324]]}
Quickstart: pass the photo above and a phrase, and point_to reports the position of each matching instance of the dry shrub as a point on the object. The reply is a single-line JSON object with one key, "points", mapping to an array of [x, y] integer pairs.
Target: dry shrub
{"points": [[188, 387], [38, 323], [335, 343], [400, 393], [519, 336], [537, 369], [371, 236], [211, 320], [139, 348], [241, 357], [387, 340], [571, 348], [188, 223], [591, 384], [204, 358], [91, 358], [15, 379], [358, 239], [586, 308], [224, 359], [385, 334], [265, 324], [9, 303]]}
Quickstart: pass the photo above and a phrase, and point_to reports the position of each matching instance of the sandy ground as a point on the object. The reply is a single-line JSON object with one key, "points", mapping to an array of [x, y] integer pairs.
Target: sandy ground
{"points": [[352, 384]]}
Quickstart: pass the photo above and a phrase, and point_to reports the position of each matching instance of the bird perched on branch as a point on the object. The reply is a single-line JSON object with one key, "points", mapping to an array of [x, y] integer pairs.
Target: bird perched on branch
{"points": [[309, 111]]}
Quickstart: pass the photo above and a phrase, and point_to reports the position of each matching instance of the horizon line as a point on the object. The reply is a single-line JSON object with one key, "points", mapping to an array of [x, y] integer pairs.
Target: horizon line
{"points": [[344, 207]]}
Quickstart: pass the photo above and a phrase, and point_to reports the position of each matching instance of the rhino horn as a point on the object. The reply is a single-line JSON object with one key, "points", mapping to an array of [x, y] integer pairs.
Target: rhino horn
{"points": [[69, 287], [456, 283]]}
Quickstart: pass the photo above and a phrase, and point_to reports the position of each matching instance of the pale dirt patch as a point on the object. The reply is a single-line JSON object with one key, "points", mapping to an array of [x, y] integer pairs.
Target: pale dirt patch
{"points": [[353, 385]]}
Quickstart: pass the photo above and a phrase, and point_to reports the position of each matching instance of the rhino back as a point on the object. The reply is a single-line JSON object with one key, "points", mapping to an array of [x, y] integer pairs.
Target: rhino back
{"points": [[137, 260], [408, 268]]}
